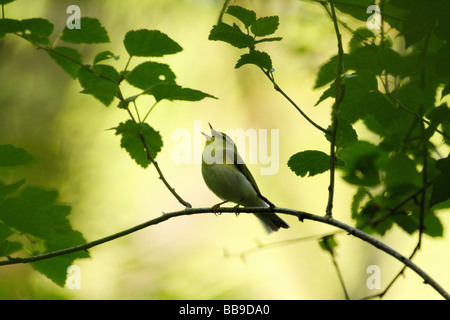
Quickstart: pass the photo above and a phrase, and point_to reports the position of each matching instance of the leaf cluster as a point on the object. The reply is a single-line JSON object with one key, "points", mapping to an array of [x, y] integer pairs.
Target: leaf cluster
{"points": [[252, 31], [33, 212], [31, 219], [396, 93]]}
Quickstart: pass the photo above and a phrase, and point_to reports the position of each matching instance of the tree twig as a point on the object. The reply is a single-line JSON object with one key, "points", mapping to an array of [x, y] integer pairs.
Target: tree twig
{"points": [[161, 176], [277, 88], [301, 215], [335, 110], [260, 246], [336, 266]]}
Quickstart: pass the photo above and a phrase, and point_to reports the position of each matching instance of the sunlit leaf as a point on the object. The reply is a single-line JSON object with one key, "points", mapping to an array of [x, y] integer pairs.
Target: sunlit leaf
{"points": [[265, 26], [311, 161], [131, 133], [247, 17], [91, 31], [149, 43], [10, 25], [328, 243], [100, 81], [441, 190], [149, 73], [11, 156], [68, 59], [261, 59], [36, 212], [169, 91], [231, 35]]}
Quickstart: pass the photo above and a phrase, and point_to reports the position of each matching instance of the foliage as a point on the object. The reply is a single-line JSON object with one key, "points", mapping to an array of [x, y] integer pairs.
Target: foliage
{"points": [[34, 211], [394, 94], [397, 92]]}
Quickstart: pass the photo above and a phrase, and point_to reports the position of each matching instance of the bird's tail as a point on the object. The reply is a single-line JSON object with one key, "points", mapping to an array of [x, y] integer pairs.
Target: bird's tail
{"points": [[270, 221]]}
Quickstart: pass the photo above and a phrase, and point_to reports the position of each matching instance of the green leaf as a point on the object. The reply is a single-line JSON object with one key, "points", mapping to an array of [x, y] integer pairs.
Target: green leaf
{"points": [[149, 43], [358, 197], [311, 161], [261, 59], [360, 37], [68, 59], [393, 15], [104, 55], [330, 92], [101, 82], [400, 171], [345, 134], [445, 91], [6, 1], [358, 89], [56, 268], [5, 231], [328, 243], [389, 119], [433, 226], [131, 133], [38, 30], [7, 189], [231, 35], [411, 223], [10, 25], [439, 114], [36, 213], [265, 26], [11, 156], [91, 31], [270, 39], [247, 17], [361, 163], [9, 247], [356, 8], [441, 191], [169, 91], [328, 71], [364, 59], [39, 26], [406, 222], [150, 73], [423, 12]]}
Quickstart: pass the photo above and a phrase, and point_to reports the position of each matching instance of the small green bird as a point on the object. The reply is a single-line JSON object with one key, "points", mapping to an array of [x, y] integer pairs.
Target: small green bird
{"points": [[226, 174]]}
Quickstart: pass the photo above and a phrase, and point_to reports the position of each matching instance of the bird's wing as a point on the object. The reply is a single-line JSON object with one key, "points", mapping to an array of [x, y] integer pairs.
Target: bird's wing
{"points": [[240, 165]]}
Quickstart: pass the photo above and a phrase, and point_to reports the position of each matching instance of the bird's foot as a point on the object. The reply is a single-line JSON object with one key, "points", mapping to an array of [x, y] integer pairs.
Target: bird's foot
{"points": [[215, 208], [236, 209]]}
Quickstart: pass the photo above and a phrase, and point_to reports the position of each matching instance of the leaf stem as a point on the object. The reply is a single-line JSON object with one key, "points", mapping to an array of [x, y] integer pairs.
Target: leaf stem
{"points": [[150, 110], [137, 112], [128, 62]]}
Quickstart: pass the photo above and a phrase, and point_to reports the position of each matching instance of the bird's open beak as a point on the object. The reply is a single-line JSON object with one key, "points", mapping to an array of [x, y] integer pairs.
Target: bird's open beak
{"points": [[206, 136]]}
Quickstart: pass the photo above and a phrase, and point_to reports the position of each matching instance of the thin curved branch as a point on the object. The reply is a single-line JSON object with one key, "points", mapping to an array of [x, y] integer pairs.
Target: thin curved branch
{"points": [[301, 215], [161, 176], [269, 75]]}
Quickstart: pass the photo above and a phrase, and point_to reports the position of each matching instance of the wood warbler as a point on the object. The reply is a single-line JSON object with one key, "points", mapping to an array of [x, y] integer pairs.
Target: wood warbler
{"points": [[226, 174]]}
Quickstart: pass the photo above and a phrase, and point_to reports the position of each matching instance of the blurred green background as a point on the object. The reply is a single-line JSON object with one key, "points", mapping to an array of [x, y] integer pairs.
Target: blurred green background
{"points": [[42, 111]]}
